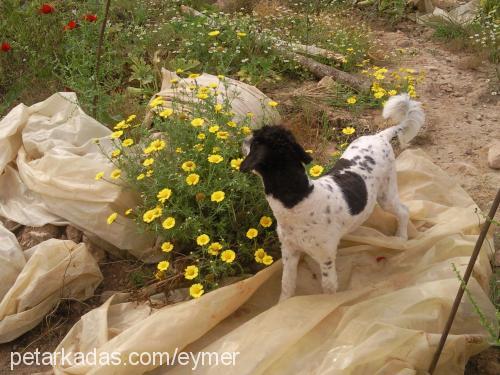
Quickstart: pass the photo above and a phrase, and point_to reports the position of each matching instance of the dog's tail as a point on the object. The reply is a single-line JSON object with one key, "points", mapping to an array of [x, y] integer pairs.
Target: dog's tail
{"points": [[408, 113]]}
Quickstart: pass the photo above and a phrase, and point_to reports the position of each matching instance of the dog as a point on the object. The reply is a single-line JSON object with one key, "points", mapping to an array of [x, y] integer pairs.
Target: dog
{"points": [[313, 215]]}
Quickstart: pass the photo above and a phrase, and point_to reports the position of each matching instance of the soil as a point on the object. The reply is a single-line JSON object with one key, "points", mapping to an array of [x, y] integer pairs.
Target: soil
{"points": [[462, 121]]}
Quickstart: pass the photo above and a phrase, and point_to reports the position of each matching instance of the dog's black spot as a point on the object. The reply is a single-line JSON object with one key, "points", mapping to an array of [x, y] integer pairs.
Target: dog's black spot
{"points": [[356, 158], [354, 147], [341, 165], [327, 209], [364, 166], [370, 159], [330, 188], [311, 213], [329, 221], [364, 150]]}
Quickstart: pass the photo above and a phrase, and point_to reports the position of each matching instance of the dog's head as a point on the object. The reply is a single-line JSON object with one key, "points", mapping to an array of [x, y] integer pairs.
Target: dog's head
{"points": [[273, 148]]}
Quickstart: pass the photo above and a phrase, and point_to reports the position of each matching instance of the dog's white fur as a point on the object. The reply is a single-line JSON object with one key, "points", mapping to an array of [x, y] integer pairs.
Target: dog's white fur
{"points": [[316, 224]]}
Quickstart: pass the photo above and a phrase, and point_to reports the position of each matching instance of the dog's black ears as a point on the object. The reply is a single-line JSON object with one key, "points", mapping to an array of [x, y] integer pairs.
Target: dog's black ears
{"points": [[302, 155], [254, 158]]}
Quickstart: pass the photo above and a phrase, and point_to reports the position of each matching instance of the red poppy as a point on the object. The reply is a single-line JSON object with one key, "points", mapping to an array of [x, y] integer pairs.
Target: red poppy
{"points": [[47, 9], [90, 17], [6, 47], [70, 26]]}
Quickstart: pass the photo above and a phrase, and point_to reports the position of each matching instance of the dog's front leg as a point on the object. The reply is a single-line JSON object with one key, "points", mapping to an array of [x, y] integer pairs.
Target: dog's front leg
{"points": [[289, 278]]}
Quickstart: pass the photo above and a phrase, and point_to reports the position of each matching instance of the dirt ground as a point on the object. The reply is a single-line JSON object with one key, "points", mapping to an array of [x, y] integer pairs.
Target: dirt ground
{"points": [[462, 121]]}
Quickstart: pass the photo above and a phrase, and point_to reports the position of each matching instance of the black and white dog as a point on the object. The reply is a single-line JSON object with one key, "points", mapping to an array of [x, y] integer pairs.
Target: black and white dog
{"points": [[313, 215]]}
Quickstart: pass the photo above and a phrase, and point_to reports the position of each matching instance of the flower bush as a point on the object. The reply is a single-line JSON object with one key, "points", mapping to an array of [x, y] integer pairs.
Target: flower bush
{"points": [[213, 221]]}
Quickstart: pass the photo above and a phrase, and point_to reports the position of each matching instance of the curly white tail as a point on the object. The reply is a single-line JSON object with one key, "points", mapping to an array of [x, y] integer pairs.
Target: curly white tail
{"points": [[408, 113]]}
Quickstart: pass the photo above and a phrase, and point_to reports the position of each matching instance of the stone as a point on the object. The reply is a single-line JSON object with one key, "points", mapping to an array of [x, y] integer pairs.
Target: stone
{"points": [[73, 234], [31, 236], [494, 155], [98, 253]]}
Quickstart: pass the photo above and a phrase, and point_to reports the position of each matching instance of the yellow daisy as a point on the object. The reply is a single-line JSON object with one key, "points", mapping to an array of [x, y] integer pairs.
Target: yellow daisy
{"points": [[235, 163], [202, 239], [98, 176], [216, 159], [140, 177], [316, 170], [191, 272], [351, 100], [115, 153], [252, 233], [348, 131], [116, 174], [116, 134], [228, 256], [214, 33], [168, 223], [214, 248], [272, 103], [148, 162], [266, 221], [128, 142], [267, 260], [217, 196], [196, 290], [163, 265], [166, 112], [188, 166], [259, 255], [197, 122], [192, 179], [213, 129], [164, 194], [167, 247], [222, 135]]}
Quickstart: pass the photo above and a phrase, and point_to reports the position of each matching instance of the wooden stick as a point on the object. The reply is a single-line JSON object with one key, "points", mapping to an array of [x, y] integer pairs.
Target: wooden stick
{"points": [[461, 289], [98, 58]]}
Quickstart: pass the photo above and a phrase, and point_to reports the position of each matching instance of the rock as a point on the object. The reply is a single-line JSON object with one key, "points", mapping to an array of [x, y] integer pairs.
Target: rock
{"points": [[178, 295], [494, 155], [98, 253], [10, 225], [73, 234], [404, 43], [159, 299], [31, 236]]}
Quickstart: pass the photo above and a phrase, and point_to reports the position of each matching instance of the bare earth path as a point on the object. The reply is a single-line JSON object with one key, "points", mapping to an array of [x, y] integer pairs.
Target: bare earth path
{"points": [[462, 114]]}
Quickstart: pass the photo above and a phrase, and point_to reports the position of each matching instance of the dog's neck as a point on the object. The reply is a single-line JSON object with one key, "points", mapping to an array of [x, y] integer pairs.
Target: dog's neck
{"points": [[289, 184]]}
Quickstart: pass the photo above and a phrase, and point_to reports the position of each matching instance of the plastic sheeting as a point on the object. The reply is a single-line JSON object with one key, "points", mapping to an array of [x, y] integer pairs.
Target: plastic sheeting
{"points": [[34, 281], [393, 302]]}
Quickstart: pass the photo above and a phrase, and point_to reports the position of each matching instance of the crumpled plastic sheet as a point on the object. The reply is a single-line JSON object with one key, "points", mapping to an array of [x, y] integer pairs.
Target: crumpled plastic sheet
{"points": [[35, 280], [393, 301]]}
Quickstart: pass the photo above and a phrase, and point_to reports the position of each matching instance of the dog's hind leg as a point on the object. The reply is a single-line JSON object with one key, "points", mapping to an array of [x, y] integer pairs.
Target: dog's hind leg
{"points": [[388, 198]]}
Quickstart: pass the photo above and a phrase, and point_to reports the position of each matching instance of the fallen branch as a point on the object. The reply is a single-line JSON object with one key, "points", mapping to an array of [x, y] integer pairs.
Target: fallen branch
{"points": [[321, 70]]}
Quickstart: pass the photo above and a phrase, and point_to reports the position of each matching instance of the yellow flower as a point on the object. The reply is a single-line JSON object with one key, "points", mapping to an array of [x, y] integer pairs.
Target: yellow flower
{"points": [[128, 142], [167, 247], [148, 162], [179, 70], [214, 33], [216, 149], [128, 212], [245, 130], [140, 177], [197, 122], [131, 118], [116, 134], [267, 260], [156, 102], [163, 265], [259, 255], [252, 233], [266, 221], [241, 34], [164, 194], [174, 81], [214, 248], [168, 223], [213, 129], [201, 136], [157, 211], [112, 218], [215, 159], [217, 196], [193, 76], [166, 112], [191, 272], [351, 100], [202, 95], [202, 239], [235, 163], [222, 135], [272, 103], [228, 256], [316, 170], [213, 85], [120, 125], [188, 166], [250, 114], [178, 150], [115, 153], [192, 179], [116, 174], [198, 147], [156, 145], [231, 124], [348, 131], [98, 176], [150, 215], [218, 108], [196, 290], [392, 92], [220, 76]]}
